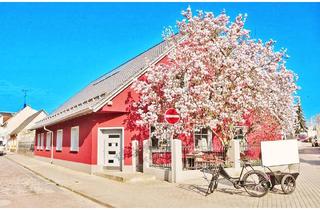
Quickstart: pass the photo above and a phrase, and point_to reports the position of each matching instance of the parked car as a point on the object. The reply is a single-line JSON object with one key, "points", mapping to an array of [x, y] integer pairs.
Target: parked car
{"points": [[314, 142], [2, 148], [302, 137]]}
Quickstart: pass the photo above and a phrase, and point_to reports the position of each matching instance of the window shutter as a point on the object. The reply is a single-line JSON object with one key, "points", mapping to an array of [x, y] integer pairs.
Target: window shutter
{"points": [[38, 141], [210, 140], [74, 139], [59, 140], [42, 141], [48, 141]]}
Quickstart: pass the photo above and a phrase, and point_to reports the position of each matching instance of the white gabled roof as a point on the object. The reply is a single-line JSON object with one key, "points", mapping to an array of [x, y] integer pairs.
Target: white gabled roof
{"points": [[103, 89]]}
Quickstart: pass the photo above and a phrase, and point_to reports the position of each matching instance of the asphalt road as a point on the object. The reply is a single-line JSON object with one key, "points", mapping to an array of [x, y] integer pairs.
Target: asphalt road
{"points": [[21, 188]]}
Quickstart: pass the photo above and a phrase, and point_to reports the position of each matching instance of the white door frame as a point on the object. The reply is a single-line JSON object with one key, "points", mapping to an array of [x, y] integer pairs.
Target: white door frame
{"points": [[100, 144]]}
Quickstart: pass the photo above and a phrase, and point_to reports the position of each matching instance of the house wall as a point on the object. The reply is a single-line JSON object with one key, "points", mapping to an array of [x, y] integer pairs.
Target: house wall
{"points": [[85, 124], [25, 141], [88, 137], [109, 116], [13, 122]]}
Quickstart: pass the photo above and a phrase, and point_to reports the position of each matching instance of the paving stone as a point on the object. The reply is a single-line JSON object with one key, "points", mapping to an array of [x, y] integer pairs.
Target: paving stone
{"points": [[187, 194]]}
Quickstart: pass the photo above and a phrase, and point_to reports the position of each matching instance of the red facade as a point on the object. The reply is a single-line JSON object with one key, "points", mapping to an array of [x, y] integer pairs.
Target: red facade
{"points": [[109, 116]]}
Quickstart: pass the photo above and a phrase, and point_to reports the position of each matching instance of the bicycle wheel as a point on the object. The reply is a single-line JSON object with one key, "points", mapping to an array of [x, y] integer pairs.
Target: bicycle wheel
{"points": [[288, 184], [255, 183], [213, 185]]}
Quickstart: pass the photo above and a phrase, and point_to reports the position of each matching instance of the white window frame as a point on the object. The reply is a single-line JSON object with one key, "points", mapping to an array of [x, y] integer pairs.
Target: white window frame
{"points": [[41, 141], [59, 140], [48, 141], [208, 137], [74, 139], [38, 141]]}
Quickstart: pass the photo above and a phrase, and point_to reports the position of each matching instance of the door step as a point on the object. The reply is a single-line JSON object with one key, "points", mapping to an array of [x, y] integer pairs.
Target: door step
{"points": [[126, 177]]}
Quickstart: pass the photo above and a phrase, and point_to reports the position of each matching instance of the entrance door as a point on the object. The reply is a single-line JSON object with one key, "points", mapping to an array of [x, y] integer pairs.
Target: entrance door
{"points": [[112, 154]]}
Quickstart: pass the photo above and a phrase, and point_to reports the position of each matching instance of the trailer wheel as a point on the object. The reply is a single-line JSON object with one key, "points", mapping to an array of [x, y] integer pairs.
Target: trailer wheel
{"points": [[288, 184]]}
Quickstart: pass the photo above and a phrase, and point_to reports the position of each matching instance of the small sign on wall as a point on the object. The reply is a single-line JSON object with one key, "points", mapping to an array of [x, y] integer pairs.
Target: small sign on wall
{"points": [[281, 152]]}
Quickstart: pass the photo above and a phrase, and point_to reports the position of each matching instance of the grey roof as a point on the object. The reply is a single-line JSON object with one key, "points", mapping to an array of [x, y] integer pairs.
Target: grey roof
{"points": [[101, 89], [26, 122]]}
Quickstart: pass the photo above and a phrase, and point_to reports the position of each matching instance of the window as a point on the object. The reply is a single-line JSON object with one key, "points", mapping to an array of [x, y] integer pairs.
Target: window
{"points": [[42, 141], [203, 139], [74, 139], [239, 134], [160, 137], [154, 139], [38, 141], [48, 141], [59, 140]]}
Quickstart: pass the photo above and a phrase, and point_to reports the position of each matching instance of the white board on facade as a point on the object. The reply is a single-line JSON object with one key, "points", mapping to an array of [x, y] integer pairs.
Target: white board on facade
{"points": [[281, 152]]}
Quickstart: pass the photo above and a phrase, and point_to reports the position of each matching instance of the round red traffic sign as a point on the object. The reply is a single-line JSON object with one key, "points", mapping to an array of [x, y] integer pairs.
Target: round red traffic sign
{"points": [[172, 116]]}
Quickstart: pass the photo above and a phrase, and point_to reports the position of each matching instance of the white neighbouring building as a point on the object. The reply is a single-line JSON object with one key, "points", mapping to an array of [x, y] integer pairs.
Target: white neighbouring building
{"points": [[12, 124], [4, 117], [22, 138]]}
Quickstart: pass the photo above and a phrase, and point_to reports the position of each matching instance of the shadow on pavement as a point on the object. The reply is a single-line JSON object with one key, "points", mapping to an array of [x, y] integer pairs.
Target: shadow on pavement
{"points": [[224, 186], [310, 150], [311, 162]]}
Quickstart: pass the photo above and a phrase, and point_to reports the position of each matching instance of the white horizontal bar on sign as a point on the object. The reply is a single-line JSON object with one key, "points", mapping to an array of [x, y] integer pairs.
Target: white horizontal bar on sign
{"points": [[172, 116]]}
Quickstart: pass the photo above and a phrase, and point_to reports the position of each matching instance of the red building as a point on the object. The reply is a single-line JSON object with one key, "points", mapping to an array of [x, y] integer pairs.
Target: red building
{"points": [[88, 131]]}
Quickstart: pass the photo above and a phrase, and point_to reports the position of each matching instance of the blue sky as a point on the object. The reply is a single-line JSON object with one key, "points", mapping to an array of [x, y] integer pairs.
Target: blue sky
{"points": [[55, 49]]}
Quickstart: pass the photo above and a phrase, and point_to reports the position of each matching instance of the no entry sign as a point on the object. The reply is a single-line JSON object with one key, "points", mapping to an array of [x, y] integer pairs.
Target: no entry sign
{"points": [[172, 116]]}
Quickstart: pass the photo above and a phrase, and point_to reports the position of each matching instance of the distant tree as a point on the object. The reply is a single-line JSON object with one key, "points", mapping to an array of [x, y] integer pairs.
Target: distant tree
{"points": [[300, 120]]}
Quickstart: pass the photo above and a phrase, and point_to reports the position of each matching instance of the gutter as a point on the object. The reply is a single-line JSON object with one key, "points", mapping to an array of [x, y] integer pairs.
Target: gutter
{"points": [[44, 127]]}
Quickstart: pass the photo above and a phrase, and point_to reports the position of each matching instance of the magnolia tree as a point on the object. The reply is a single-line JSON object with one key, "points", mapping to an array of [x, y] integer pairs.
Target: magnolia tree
{"points": [[215, 75]]}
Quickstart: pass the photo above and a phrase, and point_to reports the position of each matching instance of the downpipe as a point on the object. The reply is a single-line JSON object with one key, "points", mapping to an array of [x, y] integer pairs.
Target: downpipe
{"points": [[51, 159]]}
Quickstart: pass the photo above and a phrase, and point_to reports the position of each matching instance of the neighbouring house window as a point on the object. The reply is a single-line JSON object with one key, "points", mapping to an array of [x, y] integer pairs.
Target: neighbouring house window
{"points": [[74, 139], [203, 139], [42, 141], [48, 141], [59, 140], [38, 141]]}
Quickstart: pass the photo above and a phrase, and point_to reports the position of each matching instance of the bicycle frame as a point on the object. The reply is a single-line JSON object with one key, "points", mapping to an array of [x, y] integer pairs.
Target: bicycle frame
{"points": [[233, 180], [240, 181]]}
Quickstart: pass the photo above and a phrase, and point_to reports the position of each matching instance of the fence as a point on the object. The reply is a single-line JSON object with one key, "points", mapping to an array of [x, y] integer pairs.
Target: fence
{"points": [[193, 159], [160, 157]]}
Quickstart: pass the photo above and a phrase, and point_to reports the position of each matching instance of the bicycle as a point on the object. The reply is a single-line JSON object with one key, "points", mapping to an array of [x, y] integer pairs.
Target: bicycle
{"points": [[256, 183]]}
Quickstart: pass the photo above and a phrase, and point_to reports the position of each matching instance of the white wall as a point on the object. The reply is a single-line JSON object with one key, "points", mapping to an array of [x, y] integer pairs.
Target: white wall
{"points": [[15, 121]]}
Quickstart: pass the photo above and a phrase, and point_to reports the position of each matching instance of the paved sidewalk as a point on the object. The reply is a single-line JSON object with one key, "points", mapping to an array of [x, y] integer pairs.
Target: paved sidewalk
{"points": [[188, 194], [20, 188]]}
